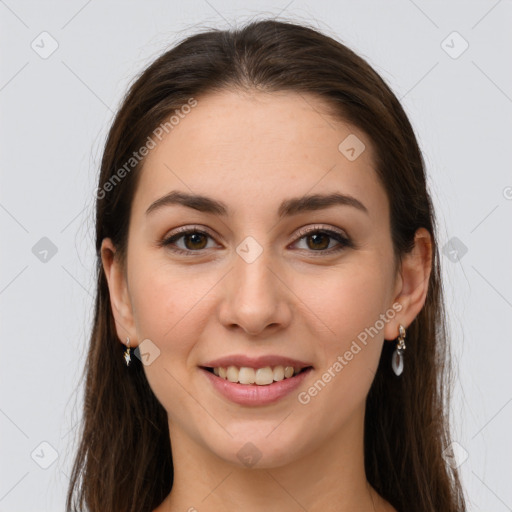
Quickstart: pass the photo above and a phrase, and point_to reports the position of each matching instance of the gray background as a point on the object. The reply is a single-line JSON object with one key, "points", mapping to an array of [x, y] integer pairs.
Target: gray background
{"points": [[55, 111]]}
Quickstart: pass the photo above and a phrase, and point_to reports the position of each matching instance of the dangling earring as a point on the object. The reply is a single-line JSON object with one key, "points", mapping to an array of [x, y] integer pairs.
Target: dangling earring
{"points": [[126, 354], [397, 360]]}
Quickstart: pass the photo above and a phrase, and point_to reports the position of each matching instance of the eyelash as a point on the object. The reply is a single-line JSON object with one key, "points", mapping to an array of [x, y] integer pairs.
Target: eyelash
{"points": [[344, 241]]}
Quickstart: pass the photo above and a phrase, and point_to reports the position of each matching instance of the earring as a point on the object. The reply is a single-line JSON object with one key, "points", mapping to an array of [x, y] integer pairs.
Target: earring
{"points": [[397, 360], [126, 354]]}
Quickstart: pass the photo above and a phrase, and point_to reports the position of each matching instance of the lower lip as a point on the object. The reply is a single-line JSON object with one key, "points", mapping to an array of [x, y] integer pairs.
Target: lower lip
{"points": [[253, 394]]}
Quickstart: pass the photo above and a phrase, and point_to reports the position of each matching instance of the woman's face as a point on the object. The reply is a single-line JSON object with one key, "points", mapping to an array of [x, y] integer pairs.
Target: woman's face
{"points": [[267, 281]]}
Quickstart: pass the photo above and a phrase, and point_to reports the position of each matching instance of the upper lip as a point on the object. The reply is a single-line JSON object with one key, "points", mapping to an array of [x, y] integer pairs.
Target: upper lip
{"points": [[240, 360]]}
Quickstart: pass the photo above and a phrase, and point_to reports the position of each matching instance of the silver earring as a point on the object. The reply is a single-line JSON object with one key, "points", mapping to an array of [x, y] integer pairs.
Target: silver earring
{"points": [[397, 360], [126, 354]]}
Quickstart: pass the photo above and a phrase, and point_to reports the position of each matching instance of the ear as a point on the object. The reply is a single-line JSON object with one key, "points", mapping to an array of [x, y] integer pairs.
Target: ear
{"points": [[118, 291], [412, 283]]}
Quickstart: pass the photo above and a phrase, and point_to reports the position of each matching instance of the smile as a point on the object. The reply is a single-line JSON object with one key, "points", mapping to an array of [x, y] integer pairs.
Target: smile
{"points": [[257, 376], [254, 394]]}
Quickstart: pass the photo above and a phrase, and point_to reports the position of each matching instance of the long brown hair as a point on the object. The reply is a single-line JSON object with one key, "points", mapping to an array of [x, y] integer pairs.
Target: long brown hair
{"points": [[124, 460]]}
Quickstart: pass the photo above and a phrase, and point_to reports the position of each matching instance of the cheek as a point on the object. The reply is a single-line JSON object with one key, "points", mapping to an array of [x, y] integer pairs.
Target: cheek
{"points": [[349, 301], [171, 307], [349, 307], [168, 310]]}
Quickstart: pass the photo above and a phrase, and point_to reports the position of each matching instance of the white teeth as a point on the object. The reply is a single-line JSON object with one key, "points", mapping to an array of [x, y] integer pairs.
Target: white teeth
{"points": [[246, 375], [288, 371], [259, 376], [232, 374], [264, 376], [278, 373]]}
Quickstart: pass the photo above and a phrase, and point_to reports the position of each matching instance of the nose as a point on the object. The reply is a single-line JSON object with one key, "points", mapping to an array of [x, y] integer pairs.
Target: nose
{"points": [[256, 298]]}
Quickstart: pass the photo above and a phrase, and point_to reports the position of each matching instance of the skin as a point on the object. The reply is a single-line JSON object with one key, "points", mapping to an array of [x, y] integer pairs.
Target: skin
{"points": [[251, 151]]}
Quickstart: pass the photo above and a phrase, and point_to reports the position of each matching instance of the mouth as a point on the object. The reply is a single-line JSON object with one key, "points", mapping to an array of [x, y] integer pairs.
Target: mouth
{"points": [[263, 376], [253, 382]]}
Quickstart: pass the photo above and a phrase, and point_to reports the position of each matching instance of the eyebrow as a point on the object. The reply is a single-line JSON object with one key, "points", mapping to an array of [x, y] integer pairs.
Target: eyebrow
{"points": [[288, 207]]}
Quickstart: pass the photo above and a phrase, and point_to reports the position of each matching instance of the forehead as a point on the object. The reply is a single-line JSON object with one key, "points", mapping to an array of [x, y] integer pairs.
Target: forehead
{"points": [[258, 148]]}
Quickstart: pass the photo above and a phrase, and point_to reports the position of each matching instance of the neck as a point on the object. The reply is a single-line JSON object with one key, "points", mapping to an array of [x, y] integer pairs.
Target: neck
{"points": [[330, 478]]}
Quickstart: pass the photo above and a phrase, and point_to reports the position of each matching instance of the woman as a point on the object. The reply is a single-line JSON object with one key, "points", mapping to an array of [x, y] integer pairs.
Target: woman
{"points": [[267, 245]]}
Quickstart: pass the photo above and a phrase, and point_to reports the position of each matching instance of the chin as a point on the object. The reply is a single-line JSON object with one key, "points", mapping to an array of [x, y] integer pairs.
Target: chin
{"points": [[259, 450]]}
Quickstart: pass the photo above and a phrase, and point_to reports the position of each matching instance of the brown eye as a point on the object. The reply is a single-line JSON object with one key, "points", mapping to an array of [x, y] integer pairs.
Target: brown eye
{"points": [[196, 241], [318, 241], [191, 241]]}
